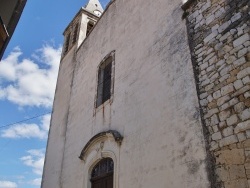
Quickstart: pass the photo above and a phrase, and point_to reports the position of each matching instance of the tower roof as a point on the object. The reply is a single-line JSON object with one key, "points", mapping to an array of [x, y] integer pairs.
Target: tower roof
{"points": [[94, 5]]}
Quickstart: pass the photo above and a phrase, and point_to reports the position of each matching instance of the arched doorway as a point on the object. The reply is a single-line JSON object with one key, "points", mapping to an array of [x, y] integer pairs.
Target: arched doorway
{"points": [[102, 174]]}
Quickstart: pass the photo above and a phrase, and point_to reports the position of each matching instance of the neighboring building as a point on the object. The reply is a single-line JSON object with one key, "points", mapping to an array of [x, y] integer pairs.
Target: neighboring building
{"points": [[10, 12], [153, 94]]}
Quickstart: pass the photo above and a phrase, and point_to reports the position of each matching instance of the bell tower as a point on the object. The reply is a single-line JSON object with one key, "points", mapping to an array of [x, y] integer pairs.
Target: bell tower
{"points": [[80, 27], [76, 32]]}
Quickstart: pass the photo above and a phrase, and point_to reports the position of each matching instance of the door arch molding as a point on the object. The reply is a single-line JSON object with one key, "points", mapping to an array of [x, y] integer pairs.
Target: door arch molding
{"points": [[103, 145]]}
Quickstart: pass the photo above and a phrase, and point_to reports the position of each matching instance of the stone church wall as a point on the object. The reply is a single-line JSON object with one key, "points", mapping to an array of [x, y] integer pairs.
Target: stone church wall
{"points": [[219, 33], [154, 105]]}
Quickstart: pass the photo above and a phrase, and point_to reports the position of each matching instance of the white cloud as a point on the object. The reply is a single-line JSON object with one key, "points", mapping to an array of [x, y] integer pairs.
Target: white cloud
{"points": [[35, 160], [36, 182], [7, 184], [29, 130], [30, 82]]}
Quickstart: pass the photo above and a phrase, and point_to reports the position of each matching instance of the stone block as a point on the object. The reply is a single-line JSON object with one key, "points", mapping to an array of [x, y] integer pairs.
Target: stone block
{"points": [[227, 89], [214, 77], [236, 17], [210, 86], [223, 26], [241, 91], [230, 157], [211, 112], [231, 79], [242, 52], [224, 37], [210, 19], [236, 172], [239, 62], [222, 173], [203, 95], [247, 166], [225, 70], [214, 120], [222, 125], [203, 66], [224, 106], [215, 128], [243, 73], [216, 136], [233, 101], [244, 115], [239, 107], [246, 80], [236, 49], [228, 140], [209, 56], [223, 100], [204, 102], [217, 94], [240, 183], [211, 36], [247, 144], [228, 131], [248, 133], [241, 40], [238, 84], [241, 137], [224, 115], [247, 43], [248, 55], [205, 7], [214, 146], [247, 154], [232, 120], [247, 95], [220, 63], [243, 126], [205, 82], [231, 59], [210, 68], [223, 78]]}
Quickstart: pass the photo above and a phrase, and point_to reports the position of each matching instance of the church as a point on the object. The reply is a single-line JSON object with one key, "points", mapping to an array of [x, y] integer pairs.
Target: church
{"points": [[153, 94]]}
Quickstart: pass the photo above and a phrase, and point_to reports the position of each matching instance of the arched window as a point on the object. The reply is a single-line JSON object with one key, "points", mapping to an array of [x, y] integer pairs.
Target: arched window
{"points": [[89, 27], [102, 174]]}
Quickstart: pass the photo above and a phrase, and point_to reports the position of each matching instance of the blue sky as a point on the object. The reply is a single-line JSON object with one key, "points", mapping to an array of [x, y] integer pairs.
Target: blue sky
{"points": [[28, 73]]}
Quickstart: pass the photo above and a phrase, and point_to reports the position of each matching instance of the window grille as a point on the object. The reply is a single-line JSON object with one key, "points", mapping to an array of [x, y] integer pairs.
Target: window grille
{"points": [[104, 167], [104, 81]]}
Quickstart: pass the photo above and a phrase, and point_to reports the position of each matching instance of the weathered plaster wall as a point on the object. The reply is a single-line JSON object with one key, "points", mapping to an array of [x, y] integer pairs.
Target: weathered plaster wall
{"points": [[55, 147], [155, 105], [219, 33]]}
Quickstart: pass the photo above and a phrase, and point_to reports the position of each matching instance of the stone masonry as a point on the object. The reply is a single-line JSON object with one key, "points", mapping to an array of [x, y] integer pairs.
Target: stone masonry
{"points": [[219, 34]]}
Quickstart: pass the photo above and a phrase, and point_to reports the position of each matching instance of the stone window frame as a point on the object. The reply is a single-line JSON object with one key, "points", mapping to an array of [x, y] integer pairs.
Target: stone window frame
{"points": [[110, 100], [90, 25]]}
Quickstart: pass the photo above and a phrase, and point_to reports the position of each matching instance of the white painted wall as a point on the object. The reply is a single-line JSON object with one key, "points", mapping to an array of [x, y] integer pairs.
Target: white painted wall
{"points": [[154, 105]]}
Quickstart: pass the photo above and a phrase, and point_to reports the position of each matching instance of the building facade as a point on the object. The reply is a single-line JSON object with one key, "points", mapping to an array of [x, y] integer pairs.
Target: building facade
{"points": [[10, 13], [153, 94]]}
